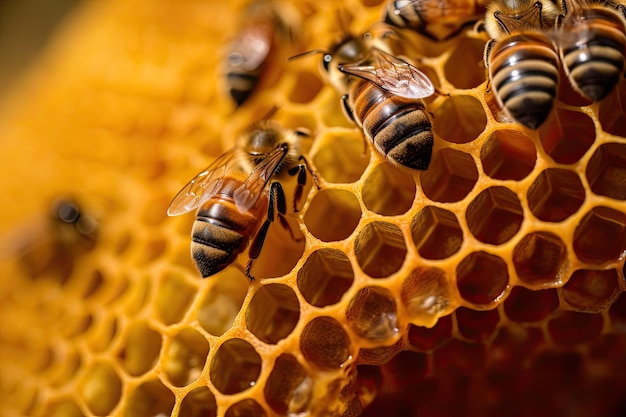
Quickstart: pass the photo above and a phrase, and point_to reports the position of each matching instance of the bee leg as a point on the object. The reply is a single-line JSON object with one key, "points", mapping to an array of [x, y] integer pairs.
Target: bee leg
{"points": [[301, 170], [247, 270], [346, 108], [276, 207], [486, 53], [277, 198]]}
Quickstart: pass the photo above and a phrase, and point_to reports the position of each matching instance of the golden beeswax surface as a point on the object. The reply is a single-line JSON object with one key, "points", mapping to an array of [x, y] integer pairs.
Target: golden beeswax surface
{"points": [[491, 284]]}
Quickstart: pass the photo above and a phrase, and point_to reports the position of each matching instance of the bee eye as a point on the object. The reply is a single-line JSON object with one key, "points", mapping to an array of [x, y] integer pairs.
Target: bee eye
{"points": [[326, 61]]}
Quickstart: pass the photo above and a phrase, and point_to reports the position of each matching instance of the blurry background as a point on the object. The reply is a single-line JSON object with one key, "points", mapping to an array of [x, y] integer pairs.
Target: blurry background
{"points": [[25, 26]]}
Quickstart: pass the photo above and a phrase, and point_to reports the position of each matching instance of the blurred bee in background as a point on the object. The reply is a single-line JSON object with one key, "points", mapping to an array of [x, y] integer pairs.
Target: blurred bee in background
{"points": [[240, 195], [521, 58], [438, 20], [50, 244], [592, 44], [383, 95], [265, 26]]}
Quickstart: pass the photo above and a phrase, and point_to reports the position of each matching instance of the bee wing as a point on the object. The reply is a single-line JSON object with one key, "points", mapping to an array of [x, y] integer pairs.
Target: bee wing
{"points": [[392, 74], [252, 46], [248, 193], [203, 186]]}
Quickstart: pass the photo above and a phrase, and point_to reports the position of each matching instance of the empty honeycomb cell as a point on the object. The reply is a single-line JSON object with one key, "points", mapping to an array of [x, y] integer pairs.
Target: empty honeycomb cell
{"points": [[388, 191], [75, 324], [273, 312], [460, 119], [609, 346], [343, 156], [173, 298], [155, 210], [508, 155], [436, 233], [100, 388], [526, 306], [324, 343], [617, 312], [235, 366], [93, 284], [183, 358], [426, 294], [376, 241], [406, 367], [572, 328], [102, 332], [372, 314], [476, 326], [369, 381], [495, 215], [149, 399], [333, 215], [138, 296], [290, 247], [567, 135], [69, 366], [65, 407], [511, 345], [199, 402], [305, 88], [245, 408], [221, 305], [482, 278], [540, 258], [380, 355], [557, 363], [325, 277], [467, 53], [123, 243], [425, 339], [592, 291], [459, 357], [600, 236], [140, 349], [288, 388], [451, 176], [612, 111], [153, 250], [606, 171], [555, 194]]}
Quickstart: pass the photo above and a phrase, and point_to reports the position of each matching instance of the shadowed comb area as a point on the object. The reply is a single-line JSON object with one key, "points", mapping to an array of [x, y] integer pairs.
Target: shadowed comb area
{"points": [[491, 284]]}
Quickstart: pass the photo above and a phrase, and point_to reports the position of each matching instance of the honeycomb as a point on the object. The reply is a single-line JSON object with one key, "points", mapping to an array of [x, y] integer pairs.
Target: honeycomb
{"points": [[491, 284]]}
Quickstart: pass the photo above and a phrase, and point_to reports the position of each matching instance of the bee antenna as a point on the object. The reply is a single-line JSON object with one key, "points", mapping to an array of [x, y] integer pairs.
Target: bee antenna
{"points": [[303, 54]]}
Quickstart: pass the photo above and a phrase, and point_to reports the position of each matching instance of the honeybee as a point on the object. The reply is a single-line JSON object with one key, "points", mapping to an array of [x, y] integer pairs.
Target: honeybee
{"points": [[265, 25], [592, 44], [383, 95], [52, 242], [235, 209], [436, 19], [522, 59]]}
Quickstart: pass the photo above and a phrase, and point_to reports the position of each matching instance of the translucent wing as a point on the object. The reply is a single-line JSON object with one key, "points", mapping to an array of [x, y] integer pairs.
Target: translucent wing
{"points": [[251, 47], [392, 74], [203, 186], [249, 192]]}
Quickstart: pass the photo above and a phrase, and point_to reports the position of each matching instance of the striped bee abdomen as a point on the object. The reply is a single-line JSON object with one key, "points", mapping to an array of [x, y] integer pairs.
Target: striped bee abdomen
{"points": [[592, 45], [399, 128], [524, 73]]}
